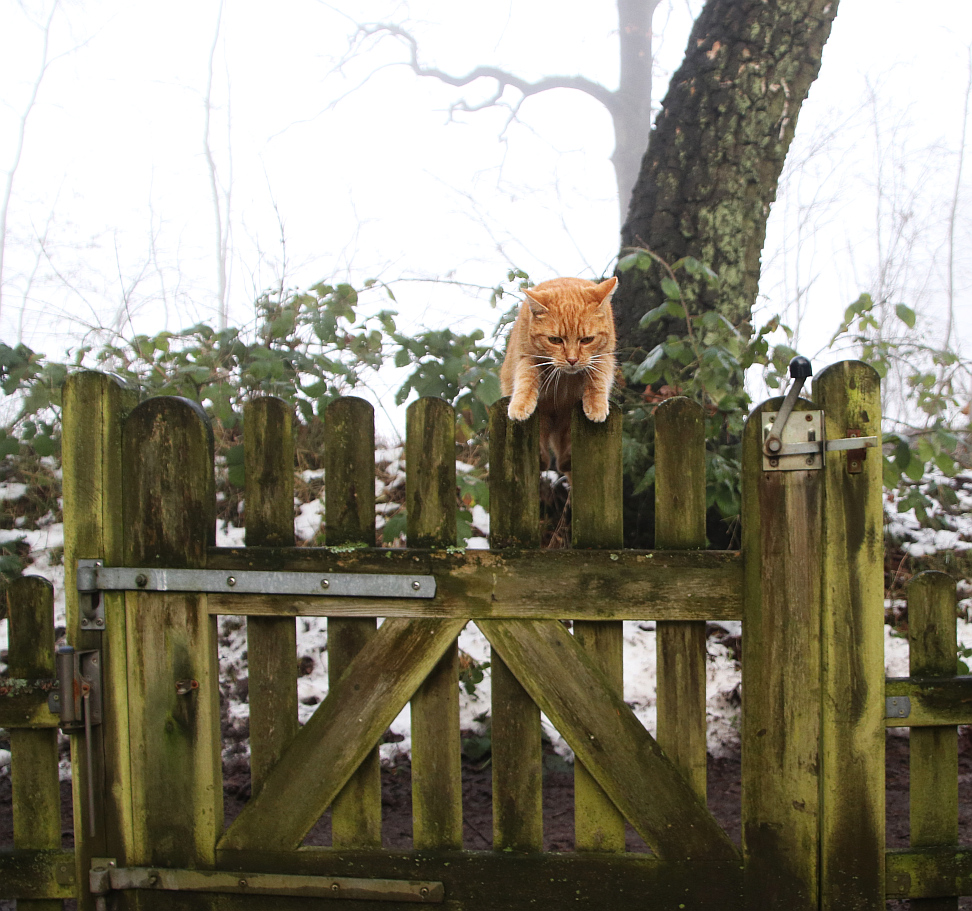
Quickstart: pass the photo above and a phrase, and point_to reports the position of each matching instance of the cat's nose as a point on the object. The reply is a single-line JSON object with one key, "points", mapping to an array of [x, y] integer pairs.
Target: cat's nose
{"points": [[571, 360]]}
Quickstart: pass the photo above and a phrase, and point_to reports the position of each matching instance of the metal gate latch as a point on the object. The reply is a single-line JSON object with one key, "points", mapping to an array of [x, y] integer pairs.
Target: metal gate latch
{"points": [[78, 701], [796, 441]]}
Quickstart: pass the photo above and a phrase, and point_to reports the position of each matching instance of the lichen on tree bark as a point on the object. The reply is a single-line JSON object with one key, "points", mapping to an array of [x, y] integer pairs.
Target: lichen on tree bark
{"points": [[716, 153]]}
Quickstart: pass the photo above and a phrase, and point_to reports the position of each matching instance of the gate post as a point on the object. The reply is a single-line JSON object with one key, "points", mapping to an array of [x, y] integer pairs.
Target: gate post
{"points": [[95, 406], [781, 537], [852, 837]]}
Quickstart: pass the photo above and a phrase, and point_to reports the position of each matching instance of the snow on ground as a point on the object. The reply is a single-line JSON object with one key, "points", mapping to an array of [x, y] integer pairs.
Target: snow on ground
{"points": [[955, 531]]}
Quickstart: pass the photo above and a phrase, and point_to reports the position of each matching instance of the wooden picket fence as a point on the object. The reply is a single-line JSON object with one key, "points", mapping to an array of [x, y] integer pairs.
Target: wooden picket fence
{"points": [[807, 585]]}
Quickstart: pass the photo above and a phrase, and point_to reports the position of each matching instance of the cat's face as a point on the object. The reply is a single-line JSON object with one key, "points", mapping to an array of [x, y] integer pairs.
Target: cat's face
{"points": [[571, 323]]}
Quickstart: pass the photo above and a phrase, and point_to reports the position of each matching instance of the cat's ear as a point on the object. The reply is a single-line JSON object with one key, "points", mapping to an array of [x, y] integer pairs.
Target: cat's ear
{"points": [[605, 290], [537, 306]]}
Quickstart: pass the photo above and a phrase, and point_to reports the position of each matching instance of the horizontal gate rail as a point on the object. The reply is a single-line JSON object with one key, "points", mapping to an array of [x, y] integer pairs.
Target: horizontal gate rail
{"points": [[24, 702], [37, 874], [937, 872], [106, 877], [482, 584], [931, 701], [500, 880]]}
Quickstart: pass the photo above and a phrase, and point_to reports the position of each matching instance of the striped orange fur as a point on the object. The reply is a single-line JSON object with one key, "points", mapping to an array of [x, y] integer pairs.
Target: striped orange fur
{"points": [[560, 352]]}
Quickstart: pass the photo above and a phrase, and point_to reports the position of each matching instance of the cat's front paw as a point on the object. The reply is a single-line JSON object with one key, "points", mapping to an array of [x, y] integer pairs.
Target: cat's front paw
{"points": [[520, 409], [597, 411]]}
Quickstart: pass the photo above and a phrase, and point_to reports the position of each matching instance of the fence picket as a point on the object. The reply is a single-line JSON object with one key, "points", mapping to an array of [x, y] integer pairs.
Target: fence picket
{"points": [[514, 521], [933, 750], [271, 642], [852, 845], [430, 454], [95, 406], [781, 527], [33, 767], [681, 646], [597, 522], [173, 683], [349, 516]]}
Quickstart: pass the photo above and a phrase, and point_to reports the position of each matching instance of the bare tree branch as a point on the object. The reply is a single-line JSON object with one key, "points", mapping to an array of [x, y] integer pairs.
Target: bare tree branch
{"points": [[503, 78], [221, 220]]}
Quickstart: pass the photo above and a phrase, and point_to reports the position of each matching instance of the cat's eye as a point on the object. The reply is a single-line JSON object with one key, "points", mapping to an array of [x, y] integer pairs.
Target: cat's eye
{"points": [[555, 340], [587, 339]]}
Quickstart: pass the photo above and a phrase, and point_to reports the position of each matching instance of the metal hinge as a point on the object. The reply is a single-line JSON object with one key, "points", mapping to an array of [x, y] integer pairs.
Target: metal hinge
{"points": [[78, 701], [94, 577], [796, 441], [106, 877]]}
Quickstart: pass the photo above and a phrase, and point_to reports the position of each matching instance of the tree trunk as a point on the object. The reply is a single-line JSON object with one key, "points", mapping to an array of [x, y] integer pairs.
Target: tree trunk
{"points": [[714, 158], [631, 105]]}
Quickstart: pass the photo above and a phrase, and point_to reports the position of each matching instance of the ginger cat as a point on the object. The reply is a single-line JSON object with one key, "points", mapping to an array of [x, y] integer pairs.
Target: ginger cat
{"points": [[560, 352]]}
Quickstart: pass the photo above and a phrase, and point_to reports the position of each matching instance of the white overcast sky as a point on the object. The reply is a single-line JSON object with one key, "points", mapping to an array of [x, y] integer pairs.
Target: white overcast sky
{"points": [[114, 178]]}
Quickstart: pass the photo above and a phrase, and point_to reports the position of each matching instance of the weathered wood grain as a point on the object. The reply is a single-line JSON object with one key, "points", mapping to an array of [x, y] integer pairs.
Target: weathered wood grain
{"points": [[95, 406], [852, 647], [430, 454], [607, 737], [173, 671], [33, 764], [544, 584], [681, 646], [597, 523], [781, 527], [349, 518], [271, 642], [933, 753], [514, 521], [345, 727], [507, 881], [937, 873]]}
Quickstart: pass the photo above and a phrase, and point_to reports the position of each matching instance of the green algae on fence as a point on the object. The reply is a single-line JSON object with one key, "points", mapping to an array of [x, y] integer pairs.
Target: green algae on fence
{"points": [[430, 490], [95, 406], [271, 642], [349, 518], [933, 753], [585, 705], [781, 519], [597, 522], [33, 766], [516, 734], [345, 727], [852, 824], [681, 646], [173, 671]]}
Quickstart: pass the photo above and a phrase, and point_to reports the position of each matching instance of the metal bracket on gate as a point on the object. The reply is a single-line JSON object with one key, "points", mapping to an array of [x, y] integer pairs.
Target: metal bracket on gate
{"points": [[89, 595], [796, 441], [94, 577], [897, 707], [106, 876]]}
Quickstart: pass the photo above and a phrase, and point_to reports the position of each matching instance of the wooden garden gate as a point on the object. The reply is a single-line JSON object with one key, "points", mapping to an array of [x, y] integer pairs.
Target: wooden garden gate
{"points": [[146, 584]]}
